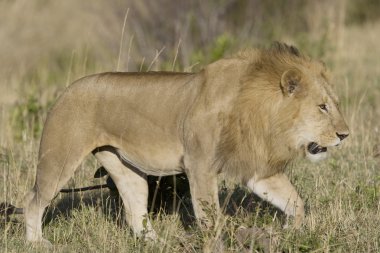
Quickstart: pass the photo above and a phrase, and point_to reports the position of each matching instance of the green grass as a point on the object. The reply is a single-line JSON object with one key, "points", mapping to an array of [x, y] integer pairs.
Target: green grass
{"points": [[341, 194]]}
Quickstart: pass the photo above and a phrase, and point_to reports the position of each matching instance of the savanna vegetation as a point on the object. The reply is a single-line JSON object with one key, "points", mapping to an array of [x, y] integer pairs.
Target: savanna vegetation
{"points": [[45, 45]]}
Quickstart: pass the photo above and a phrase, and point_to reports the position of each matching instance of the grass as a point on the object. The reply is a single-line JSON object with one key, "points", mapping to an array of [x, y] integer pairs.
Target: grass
{"points": [[341, 193]]}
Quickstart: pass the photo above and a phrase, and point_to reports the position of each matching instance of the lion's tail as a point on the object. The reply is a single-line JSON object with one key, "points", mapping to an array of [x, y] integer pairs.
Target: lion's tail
{"points": [[7, 209]]}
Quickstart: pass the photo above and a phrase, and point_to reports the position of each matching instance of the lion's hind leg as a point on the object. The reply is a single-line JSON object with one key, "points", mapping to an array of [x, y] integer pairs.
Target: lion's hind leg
{"points": [[56, 166], [133, 189], [34, 210]]}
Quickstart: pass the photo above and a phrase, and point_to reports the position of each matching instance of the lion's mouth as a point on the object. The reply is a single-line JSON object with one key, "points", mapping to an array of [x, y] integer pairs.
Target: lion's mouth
{"points": [[313, 148]]}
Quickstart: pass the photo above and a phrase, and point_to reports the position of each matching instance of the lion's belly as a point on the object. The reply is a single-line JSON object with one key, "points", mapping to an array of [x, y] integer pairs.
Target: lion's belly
{"points": [[156, 161]]}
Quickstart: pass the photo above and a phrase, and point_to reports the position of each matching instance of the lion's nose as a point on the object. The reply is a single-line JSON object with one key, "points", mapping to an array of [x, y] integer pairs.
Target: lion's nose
{"points": [[342, 136]]}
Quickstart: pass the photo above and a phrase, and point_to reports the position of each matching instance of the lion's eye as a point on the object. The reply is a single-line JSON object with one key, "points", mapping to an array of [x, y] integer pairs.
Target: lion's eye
{"points": [[323, 107]]}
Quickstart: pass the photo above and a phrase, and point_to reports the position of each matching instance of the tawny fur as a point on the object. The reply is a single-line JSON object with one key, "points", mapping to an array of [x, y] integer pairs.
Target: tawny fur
{"points": [[249, 116]]}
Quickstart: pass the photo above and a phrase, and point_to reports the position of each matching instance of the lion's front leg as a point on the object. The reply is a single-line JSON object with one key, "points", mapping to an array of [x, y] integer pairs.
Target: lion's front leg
{"points": [[205, 199], [279, 191], [204, 192]]}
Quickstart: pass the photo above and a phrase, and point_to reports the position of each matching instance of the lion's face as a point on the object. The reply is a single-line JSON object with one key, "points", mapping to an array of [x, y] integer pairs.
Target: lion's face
{"points": [[319, 124]]}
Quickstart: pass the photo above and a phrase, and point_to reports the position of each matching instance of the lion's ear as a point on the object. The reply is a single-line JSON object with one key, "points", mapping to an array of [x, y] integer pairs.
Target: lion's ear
{"points": [[291, 82]]}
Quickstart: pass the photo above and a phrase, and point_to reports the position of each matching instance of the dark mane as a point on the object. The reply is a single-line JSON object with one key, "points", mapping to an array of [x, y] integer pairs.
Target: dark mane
{"points": [[283, 48]]}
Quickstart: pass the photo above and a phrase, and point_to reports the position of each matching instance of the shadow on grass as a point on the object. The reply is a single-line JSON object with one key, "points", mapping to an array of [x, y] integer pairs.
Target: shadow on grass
{"points": [[167, 195]]}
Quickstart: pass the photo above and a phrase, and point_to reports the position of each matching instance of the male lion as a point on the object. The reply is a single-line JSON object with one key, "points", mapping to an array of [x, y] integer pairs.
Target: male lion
{"points": [[247, 116]]}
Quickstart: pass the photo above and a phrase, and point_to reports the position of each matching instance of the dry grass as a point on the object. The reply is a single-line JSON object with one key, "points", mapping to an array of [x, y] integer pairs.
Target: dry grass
{"points": [[341, 194]]}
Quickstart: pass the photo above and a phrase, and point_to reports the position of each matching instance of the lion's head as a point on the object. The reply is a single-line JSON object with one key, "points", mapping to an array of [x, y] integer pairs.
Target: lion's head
{"points": [[308, 111], [286, 106], [319, 123]]}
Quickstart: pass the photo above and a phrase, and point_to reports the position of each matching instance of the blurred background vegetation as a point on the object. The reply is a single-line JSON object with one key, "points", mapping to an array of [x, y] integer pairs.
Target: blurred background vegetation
{"points": [[45, 45]]}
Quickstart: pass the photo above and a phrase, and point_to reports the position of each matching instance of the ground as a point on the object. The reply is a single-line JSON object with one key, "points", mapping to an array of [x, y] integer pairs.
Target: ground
{"points": [[341, 193]]}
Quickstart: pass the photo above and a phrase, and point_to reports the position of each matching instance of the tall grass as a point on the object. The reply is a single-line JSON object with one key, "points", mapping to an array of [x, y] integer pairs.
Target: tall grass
{"points": [[45, 45]]}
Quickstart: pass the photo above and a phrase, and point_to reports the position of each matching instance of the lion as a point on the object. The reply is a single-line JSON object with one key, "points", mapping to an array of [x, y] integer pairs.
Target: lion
{"points": [[247, 116]]}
